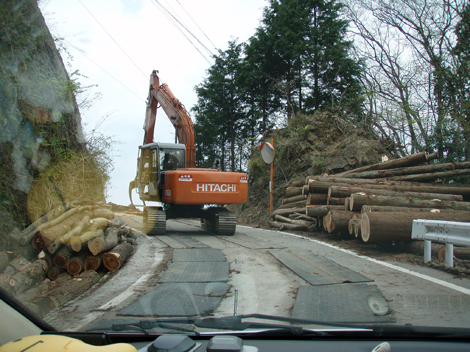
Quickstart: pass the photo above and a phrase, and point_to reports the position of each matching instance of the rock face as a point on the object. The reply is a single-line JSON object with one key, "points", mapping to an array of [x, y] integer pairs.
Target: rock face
{"points": [[39, 117]]}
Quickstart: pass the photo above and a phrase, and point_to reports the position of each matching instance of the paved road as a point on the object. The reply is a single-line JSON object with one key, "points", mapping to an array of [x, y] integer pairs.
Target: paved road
{"points": [[274, 273]]}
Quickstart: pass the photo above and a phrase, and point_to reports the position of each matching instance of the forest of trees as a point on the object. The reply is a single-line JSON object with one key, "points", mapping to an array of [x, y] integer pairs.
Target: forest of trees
{"points": [[399, 69]]}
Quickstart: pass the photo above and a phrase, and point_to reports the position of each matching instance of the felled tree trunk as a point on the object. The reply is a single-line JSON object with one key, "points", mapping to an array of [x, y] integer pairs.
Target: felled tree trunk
{"points": [[293, 191], [63, 255], [54, 273], [30, 276], [321, 210], [77, 264], [93, 262], [357, 200], [104, 243], [337, 220], [115, 259], [294, 199], [287, 211]]}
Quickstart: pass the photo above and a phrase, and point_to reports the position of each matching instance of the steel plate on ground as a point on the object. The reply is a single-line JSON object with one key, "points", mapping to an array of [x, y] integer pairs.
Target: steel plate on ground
{"points": [[190, 241], [198, 255], [250, 242], [196, 272], [347, 303], [179, 299], [316, 269]]}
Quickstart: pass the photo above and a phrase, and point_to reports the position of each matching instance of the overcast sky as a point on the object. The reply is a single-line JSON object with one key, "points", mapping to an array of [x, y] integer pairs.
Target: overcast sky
{"points": [[117, 44]]}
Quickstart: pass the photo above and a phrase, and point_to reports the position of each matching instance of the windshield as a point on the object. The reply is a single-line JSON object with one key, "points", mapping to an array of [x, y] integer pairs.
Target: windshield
{"points": [[367, 130]]}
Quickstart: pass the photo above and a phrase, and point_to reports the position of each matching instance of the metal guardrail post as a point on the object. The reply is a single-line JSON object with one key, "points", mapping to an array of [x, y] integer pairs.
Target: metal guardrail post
{"points": [[450, 254], [427, 251]]}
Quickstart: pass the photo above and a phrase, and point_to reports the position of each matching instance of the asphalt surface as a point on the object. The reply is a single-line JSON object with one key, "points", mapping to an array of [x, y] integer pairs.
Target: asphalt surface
{"points": [[268, 272]]}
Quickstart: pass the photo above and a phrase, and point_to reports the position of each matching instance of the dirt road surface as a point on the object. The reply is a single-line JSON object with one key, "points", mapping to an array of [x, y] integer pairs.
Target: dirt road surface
{"points": [[274, 273]]}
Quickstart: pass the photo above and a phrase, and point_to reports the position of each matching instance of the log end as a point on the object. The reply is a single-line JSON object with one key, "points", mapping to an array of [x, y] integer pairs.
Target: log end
{"points": [[365, 227]]}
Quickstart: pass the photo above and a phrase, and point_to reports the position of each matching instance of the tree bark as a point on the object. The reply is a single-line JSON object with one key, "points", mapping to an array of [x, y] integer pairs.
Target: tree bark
{"points": [[346, 191], [54, 273], [301, 197], [337, 220], [431, 176], [284, 226], [63, 255], [298, 183], [317, 198], [357, 200], [295, 222], [115, 259], [30, 276], [423, 169], [104, 243], [293, 191], [387, 226], [87, 236], [300, 204], [287, 211], [412, 159], [321, 210]]}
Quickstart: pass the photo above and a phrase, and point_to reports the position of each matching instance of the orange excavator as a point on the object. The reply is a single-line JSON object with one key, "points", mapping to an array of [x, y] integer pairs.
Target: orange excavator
{"points": [[167, 173]]}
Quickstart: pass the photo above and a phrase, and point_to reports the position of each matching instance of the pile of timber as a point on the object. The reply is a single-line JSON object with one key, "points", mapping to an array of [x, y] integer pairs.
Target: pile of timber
{"points": [[74, 246], [378, 202]]}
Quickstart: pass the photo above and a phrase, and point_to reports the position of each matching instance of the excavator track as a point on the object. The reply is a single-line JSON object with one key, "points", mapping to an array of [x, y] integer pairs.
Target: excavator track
{"points": [[155, 221], [222, 222]]}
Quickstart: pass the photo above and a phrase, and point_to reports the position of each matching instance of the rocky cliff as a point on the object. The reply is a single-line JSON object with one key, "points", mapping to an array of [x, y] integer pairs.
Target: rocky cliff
{"points": [[41, 138]]}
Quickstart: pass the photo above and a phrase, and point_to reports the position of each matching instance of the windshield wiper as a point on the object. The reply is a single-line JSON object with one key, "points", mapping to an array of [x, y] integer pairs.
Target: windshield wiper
{"points": [[146, 325]]}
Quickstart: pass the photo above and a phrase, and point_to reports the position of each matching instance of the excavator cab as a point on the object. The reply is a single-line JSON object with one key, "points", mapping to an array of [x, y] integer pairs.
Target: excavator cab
{"points": [[153, 162]]}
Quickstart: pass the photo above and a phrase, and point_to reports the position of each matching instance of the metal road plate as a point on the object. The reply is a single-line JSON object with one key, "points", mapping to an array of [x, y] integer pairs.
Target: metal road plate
{"points": [[316, 269], [250, 242], [179, 299], [198, 255], [190, 241], [171, 241], [196, 272], [346, 303]]}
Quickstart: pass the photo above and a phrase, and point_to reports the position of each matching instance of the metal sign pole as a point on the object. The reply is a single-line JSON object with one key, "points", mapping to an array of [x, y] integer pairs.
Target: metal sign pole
{"points": [[271, 184]]}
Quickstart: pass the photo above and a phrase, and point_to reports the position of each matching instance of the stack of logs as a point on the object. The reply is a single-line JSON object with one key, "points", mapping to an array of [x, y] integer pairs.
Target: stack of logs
{"points": [[74, 246], [377, 202]]}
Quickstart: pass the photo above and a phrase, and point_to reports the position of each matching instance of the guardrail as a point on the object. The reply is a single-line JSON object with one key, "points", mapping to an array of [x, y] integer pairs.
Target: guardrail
{"points": [[448, 232]]}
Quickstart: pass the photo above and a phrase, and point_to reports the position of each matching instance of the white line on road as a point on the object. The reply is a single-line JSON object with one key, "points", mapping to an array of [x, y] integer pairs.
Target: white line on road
{"points": [[460, 289]]}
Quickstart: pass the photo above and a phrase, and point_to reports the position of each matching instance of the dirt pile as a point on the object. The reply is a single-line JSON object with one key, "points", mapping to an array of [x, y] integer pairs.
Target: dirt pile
{"points": [[324, 143]]}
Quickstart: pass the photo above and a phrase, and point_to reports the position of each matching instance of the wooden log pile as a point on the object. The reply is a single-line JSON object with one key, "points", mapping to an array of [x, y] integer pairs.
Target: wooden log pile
{"points": [[81, 241], [377, 203]]}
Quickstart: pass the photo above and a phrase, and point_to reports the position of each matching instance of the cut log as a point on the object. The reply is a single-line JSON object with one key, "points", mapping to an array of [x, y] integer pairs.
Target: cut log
{"points": [[294, 199], [321, 185], [391, 208], [298, 216], [98, 224], [104, 243], [115, 259], [298, 183], [284, 226], [87, 236], [336, 201], [32, 275], [413, 159], [317, 198], [293, 191], [347, 190], [387, 226], [102, 213], [357, 200], [355, 220], [63, 255], [93, 262], [77, 264], [27, 234], [410, 170], [79, 228], [295, 222], [432, 175], [321, 210], [61, 293], [54, 273], [300, 204], [459, 252], [287, 211], [337, 220]]}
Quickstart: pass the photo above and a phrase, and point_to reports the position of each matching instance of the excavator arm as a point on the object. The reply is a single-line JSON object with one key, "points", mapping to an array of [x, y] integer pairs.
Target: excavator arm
{"points": [[176, 112]]}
